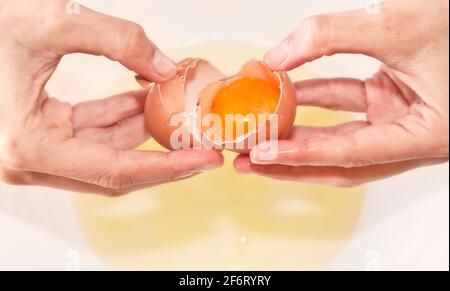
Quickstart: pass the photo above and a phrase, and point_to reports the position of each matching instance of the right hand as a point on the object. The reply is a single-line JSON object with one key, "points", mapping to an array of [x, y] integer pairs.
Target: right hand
{"points": [[406, 102]]}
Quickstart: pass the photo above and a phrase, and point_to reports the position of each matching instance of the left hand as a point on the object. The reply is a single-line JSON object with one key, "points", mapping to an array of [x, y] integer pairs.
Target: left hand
{"points": [[86, 147]]}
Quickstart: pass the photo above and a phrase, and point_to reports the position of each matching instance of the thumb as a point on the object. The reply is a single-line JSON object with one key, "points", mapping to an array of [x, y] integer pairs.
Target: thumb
{"points": [[357, 31], [119, 40]]}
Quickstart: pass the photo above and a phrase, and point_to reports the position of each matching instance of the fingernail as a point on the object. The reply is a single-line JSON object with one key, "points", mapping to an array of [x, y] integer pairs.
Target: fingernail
{"points": [[279, 54], [185, 176], [255, 157], [201, 170], [265, 153], [247, 172], [205, 169], [244, 167], [163, 65], [209, 167]]}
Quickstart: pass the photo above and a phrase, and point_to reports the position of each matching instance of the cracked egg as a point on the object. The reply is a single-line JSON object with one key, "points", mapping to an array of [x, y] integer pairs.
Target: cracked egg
{"points": [[203, 107]]}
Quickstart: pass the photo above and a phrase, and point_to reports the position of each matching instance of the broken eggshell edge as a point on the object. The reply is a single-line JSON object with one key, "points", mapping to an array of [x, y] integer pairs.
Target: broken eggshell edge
{"points": [[177, 96], [195, 84], [286, 108]]}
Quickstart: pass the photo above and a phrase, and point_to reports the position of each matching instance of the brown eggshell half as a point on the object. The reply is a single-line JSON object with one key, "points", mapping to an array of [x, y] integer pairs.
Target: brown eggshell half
{"points": [[176, 96]]}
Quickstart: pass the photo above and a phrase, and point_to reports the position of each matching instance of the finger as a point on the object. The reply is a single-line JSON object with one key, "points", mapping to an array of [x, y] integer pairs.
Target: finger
{"points": [[333, 176], [125, 135], [106, 112], [104, 166], [354, 31], [307, 132], [119, 40], [45, 180], [335, 94], [386, 143]]}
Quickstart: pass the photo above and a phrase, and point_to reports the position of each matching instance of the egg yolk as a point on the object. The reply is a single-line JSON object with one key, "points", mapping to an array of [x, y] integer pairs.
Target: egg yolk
{"points": [[245, 96]]}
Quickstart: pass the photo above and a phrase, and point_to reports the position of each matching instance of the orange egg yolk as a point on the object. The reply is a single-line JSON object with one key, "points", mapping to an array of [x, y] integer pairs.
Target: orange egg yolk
{"points": [[245, 96]]}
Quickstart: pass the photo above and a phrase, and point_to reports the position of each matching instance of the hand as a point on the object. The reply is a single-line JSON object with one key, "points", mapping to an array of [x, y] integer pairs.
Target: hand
{"points": [[406, 102], [85, 147]]}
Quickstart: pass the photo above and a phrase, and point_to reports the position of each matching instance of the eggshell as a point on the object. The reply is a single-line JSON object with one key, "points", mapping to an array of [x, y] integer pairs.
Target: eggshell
{"points": [[158, 110], [196, 84], [286, 108], [177, 96]]}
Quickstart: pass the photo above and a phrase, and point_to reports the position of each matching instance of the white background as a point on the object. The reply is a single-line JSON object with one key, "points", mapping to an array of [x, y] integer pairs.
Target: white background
{"points": [[405, 222]]}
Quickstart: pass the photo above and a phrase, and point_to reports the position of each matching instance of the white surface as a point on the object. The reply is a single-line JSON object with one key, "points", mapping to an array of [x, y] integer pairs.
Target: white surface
{"points": [[405, 222]]}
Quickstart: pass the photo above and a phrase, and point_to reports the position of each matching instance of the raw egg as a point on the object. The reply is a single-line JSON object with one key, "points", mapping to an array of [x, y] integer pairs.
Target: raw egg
{"points": [[202, 107]]}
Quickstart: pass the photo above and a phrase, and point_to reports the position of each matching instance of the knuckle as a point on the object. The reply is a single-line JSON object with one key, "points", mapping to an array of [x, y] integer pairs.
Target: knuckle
{"points": [[54, 24], [334, 103], [319, 30], [134, 32], [118, 179], [115, 181], [112, 182], [174, 172], [13, 155], [56, 19], [133, 37], [388, 21], [352, 152]]}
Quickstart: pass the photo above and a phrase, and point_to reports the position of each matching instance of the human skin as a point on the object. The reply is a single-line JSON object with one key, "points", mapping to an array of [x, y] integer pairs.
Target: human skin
{"points": [[406, 102], [86, 147]]}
